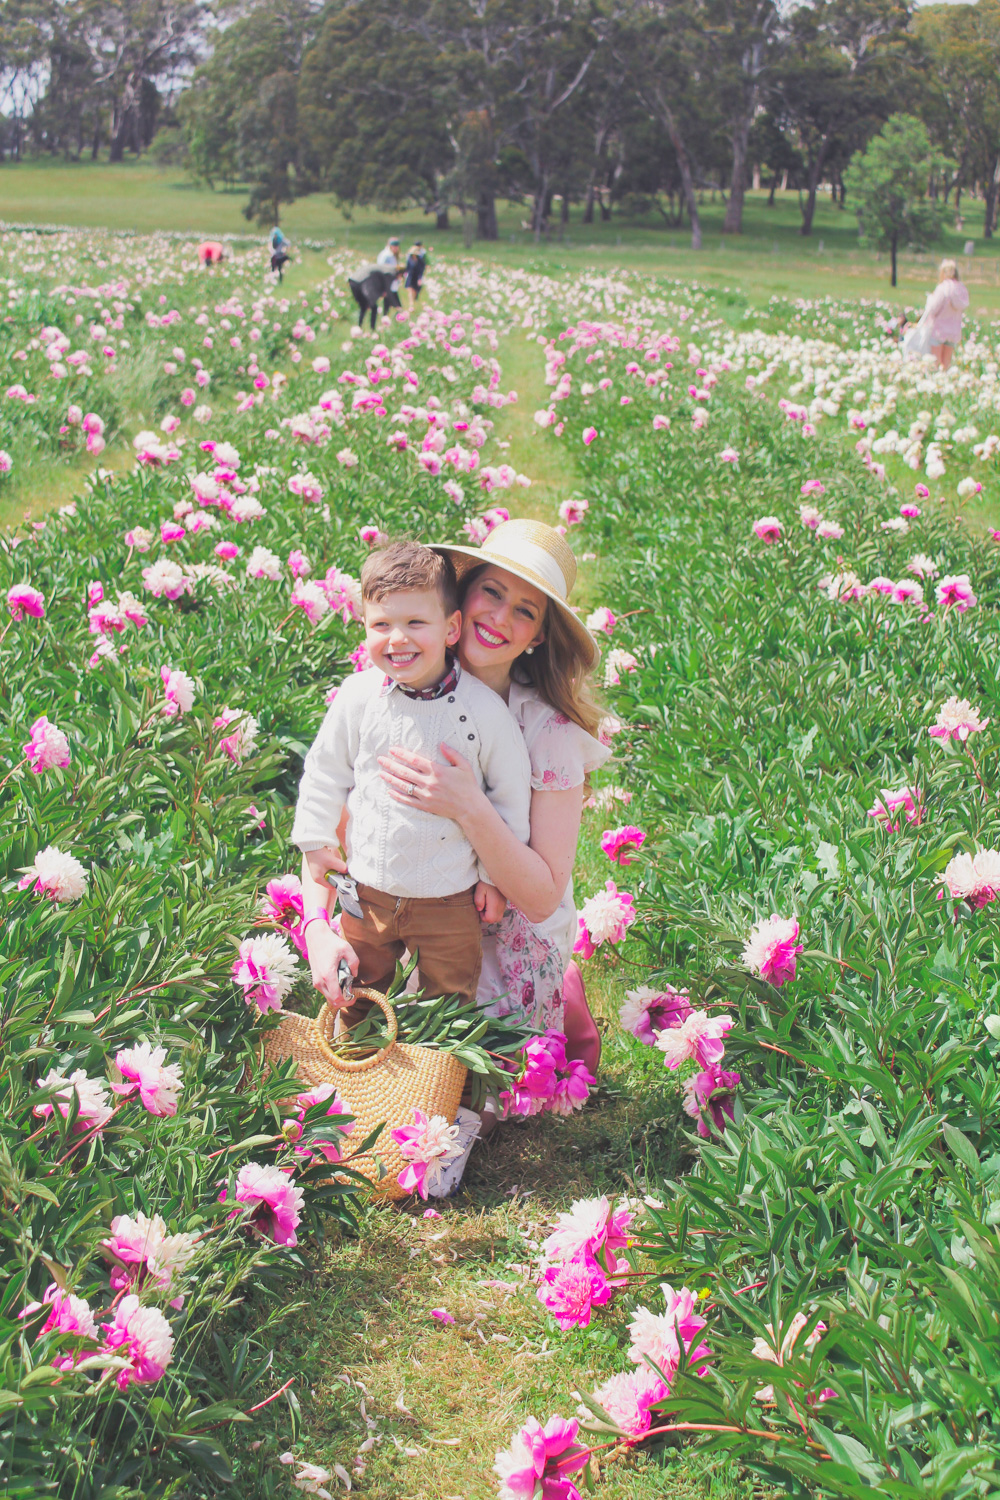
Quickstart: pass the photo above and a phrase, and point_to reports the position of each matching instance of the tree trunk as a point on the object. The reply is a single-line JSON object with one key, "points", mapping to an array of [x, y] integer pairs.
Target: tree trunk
{"points": [[756, 176], [733, 222], [540, 207], [486, 215], [991, 200], [815, 173], [774, 189], [564, 210], [892, 252], [588, 206], [441, 221]]}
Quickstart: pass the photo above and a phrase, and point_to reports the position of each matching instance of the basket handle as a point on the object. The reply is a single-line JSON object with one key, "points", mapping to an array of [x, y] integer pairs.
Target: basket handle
{"points": [[323, 1025]]}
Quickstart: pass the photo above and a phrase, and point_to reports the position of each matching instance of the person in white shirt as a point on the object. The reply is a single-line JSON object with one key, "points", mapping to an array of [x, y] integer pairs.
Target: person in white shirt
{"points": [[419, 883], [388, 260]]}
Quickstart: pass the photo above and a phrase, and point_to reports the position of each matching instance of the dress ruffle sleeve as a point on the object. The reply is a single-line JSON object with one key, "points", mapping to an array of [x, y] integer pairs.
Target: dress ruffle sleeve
{"points": [[562, 754]]}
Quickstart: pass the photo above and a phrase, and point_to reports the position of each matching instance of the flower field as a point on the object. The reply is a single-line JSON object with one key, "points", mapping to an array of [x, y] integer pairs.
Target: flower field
{"points": [[799, 835]]}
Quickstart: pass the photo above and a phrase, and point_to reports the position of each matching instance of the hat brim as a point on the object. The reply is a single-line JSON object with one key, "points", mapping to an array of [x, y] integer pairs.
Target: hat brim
{"points": [[467, 558]]}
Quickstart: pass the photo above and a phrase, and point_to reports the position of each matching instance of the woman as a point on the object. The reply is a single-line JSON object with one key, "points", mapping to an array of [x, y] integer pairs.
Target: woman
{"points": [[943, 313], [521, 638], [416, 267]]}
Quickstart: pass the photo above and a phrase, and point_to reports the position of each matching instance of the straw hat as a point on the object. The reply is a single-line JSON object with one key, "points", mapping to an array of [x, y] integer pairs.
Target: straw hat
{"points": [[536, 554]]}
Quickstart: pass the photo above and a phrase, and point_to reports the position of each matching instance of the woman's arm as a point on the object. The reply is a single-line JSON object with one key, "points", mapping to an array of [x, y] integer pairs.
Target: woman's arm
{"points": [[533, 878]]}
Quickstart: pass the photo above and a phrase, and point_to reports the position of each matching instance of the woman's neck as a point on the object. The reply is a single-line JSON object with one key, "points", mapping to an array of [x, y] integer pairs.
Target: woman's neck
{"points": [[498, 677]]}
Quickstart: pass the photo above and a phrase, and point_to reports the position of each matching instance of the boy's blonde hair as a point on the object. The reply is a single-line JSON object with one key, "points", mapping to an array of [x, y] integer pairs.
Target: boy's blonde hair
{"points": [[402, 567]]}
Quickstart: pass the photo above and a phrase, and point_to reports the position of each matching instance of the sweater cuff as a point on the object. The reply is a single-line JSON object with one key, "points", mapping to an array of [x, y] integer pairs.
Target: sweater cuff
{"points": [[309, 846]]}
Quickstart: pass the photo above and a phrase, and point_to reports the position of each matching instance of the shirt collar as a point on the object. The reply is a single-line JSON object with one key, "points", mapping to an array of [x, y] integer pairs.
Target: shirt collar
{"points": [[448, 684]]}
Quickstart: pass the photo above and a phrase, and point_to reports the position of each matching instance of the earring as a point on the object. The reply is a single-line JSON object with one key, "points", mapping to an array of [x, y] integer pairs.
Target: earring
{"points": [[529, 650]]}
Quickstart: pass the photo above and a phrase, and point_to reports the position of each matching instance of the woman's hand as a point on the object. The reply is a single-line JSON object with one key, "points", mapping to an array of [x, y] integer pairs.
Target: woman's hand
{"points": [[325, 950], [448, 789]]}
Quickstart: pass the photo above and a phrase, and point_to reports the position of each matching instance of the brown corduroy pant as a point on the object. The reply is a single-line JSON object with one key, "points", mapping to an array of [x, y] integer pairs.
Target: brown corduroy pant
{"points": [[444, 931]]}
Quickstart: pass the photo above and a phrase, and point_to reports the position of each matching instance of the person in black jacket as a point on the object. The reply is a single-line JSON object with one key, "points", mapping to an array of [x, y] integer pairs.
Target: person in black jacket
{"points": [[367, 288], [416, 266]]}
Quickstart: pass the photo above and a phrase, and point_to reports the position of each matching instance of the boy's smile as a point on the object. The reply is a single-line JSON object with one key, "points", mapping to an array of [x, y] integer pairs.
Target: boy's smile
{"points": [[407, 635]]}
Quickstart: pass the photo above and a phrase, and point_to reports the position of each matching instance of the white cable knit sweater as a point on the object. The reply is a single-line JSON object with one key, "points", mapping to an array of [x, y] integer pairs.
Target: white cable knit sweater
{"points": [[397, 848]]}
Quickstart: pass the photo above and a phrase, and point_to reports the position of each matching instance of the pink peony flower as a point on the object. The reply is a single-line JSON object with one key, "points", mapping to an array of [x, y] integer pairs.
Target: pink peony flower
{"points": [[646, 1011], [143, 1069], [48, 747], [266, 969], [226, 550], [320, 1094], [282, 904], [779, 1353], [619, 844], [591, 1230], [59, 876], [66, 1314], [372, 536], [442, 1315], [956, 720], [571, 1290], [770, 951], [889, 802], [660, 422], [810, 517], [574, 512], [955, 592], [93, 1109], [165, 580], [178, 693], [427, 1145], [708, 1098], [829, 531], [661, 1337], [698, 1038], [241, 743], [23, 600], [311, 599], [974, 878], [604, 918], [274, 1202], [813, 487], [589, 434], [139, 537], [907, 591], [768, 529], [627, 1398], [921, 491], [601, 622], [171, 531], [142, 1336], [145, 1252], [539, 1460]]}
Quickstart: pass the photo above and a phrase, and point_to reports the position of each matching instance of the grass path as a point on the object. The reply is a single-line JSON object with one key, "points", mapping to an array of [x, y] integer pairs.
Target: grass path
{"points": [[413, 1408]]}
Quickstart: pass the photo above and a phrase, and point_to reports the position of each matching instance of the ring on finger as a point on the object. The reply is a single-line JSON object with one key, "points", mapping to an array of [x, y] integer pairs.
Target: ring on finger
{"points": [[411, 789]]}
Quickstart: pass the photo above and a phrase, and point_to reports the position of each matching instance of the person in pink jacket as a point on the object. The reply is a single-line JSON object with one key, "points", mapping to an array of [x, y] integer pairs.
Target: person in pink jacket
{"points": [[943, 312]]}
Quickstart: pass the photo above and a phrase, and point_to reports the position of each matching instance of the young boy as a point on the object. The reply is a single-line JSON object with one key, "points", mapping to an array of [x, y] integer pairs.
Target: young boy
{"points": [[416, 873]]}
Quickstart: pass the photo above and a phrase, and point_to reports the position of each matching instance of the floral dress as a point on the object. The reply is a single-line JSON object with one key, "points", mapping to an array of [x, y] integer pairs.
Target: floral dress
{"points": [[524, 962]]}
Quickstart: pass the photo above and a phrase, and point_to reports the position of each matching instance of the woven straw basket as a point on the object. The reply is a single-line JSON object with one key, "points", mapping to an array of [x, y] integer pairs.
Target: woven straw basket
{"points": [[384, 1088]]}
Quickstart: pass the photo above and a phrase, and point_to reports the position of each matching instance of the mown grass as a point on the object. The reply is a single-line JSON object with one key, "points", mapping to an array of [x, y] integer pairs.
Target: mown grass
{"points": [[769, 257]]}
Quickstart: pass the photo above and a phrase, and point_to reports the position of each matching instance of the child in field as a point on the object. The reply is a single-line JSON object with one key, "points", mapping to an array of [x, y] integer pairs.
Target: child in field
{"points": [[416, 873]]}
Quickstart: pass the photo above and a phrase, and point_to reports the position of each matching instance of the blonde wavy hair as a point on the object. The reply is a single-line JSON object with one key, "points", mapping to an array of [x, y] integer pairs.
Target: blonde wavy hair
{"points": [[948, 271], [557, 668]]}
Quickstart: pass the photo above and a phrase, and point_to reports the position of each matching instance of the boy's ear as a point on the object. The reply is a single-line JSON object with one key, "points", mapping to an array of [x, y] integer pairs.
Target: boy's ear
{"points": [[454, 628]]}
